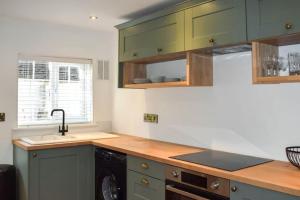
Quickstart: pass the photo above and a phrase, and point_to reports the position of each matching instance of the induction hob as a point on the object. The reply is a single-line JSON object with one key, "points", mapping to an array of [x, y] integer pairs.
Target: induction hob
{"points": [[222, 160]]}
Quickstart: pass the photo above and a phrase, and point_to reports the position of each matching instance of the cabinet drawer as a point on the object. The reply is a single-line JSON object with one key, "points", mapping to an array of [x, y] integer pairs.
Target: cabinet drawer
{"points": [[147, 167], [215, 23], [141, 187], [249, 192]]}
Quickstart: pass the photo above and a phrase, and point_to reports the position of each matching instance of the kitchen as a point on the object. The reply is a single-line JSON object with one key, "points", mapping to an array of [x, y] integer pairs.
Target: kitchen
{"points": [[226, 96]]}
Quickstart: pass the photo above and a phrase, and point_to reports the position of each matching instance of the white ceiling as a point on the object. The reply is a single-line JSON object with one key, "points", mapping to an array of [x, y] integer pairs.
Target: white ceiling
{"points": [[77, 12]]}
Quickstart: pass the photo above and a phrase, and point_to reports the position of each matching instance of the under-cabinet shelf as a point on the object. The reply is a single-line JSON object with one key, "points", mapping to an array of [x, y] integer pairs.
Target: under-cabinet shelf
{"points": [[197, 70], [277, 79], [158, 85], [268, 49]]}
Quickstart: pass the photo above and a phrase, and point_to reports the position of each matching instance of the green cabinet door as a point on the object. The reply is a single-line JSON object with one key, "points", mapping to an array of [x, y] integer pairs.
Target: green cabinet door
{"points": [[60, 174], [218, 22], [247, 192], [269, 18], [142, 187], [159, 36]]}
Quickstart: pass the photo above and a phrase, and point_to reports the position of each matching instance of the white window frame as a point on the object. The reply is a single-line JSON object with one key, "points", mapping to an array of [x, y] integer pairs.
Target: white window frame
{"points": [[63, 60]]}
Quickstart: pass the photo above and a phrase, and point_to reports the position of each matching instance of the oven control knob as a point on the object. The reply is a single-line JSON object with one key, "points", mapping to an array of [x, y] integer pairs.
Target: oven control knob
{"points": [[175, 174], [215, 185]]}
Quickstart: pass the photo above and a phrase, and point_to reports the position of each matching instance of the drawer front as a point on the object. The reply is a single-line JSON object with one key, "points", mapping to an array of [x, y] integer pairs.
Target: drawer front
{"points": [[159, 36], [216, 23], [248, 192], [269, 18], [141, 187], [147, 167]]}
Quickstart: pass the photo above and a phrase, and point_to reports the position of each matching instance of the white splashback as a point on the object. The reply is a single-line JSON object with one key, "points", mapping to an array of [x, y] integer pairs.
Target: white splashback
{"points": [[234, 115]]}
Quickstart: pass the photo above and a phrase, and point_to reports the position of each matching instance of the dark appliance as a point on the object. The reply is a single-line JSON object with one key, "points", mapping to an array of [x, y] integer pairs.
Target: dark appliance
{"points": [[7, 182], [222, 160], [184, 184], [110, 174]]}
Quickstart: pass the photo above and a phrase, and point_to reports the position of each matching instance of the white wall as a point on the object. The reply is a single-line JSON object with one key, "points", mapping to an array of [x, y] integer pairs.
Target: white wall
{"points": [[234, 115], [38, 38]]}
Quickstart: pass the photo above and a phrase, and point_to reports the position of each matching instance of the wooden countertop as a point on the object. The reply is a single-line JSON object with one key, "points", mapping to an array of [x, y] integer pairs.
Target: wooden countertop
{"points": [[277, 175]]}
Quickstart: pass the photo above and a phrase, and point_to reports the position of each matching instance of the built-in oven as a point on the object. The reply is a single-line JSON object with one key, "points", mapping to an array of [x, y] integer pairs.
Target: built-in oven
{"points": [[184, 184]]}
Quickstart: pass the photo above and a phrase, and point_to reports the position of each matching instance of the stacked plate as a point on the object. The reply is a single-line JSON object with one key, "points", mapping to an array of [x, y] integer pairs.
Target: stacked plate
{"points": [[141, 80], [158, 79]]}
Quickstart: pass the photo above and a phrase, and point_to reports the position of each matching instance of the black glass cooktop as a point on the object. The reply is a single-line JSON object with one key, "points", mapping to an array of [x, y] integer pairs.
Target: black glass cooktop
{"points": [[222, 160]]}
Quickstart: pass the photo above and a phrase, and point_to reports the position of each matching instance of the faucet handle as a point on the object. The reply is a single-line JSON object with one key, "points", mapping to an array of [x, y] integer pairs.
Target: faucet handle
{"points": [[67, 129], [59, 129]]}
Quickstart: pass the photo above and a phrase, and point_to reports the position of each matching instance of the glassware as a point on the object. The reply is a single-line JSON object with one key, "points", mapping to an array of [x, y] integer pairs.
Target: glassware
{"points": [[271, 67], [294, 63], [283, 69]]}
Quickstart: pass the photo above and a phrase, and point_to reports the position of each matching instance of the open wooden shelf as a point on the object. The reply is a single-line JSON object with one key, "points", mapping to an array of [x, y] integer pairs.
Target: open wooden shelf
{"points": [[278, 79], [158, 85], [198, 71], [270, 47]]}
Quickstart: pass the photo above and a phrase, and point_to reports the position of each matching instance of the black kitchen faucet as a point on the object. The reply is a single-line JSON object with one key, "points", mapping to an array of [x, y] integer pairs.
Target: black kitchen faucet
{"points": [[64, 129]]}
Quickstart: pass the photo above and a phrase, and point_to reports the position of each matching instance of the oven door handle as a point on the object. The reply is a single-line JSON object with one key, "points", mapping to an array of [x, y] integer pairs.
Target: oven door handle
{"points": [[184, 193]]}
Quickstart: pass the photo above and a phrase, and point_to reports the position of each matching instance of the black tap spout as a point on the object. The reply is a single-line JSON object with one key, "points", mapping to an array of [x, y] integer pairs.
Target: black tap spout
{"points": [[64, 129]]}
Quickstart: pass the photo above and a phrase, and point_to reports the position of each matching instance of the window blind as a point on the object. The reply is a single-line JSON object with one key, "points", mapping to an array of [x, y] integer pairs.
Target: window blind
{"points": [[48, 83]]}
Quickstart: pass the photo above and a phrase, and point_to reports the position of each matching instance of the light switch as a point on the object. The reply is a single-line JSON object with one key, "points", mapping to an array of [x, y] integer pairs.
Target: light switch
{"points": [[152, 118], [2, 117]]}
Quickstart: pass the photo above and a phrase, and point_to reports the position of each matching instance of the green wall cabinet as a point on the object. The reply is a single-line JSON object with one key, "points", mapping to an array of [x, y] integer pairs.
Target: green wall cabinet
{"points": [[60, 174], [159, 36], [241, 191], [215, 23], [269, 18]]}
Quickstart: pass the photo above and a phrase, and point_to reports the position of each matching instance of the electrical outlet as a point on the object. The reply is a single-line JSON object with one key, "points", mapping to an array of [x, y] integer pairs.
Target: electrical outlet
{"points": [[2, 117], [151, 118]]}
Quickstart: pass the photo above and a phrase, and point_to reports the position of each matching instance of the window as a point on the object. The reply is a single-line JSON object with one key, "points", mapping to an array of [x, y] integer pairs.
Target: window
{"points": [[48, 83]]}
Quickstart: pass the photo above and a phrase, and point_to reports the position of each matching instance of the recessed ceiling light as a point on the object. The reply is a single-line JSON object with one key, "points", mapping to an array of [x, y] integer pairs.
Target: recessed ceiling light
{"points": [[92, 17]]}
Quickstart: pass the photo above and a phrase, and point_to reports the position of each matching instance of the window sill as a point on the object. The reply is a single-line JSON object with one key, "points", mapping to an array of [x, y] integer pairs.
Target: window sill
{"points": [[53, 126]]}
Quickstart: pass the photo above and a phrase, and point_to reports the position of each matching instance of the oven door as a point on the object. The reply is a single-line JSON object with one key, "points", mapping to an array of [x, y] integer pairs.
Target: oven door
{"points": [[177, 191]]}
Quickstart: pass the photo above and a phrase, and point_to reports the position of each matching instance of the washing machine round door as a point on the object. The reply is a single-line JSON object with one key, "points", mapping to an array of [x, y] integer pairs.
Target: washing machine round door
{"points": [[108, 187]]}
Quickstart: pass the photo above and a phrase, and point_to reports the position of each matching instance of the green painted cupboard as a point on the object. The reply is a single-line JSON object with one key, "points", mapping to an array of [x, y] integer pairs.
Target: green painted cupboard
{"points": [[142, 187], [216, 23], [145, 179], [270, 18], [241, 191], [159, 36], [60, 174]]}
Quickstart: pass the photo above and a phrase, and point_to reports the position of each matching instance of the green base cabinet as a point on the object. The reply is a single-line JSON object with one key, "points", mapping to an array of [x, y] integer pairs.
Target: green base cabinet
{"points": [[145, 179], [269, 18], [216, 23], [248, 192], [60, 174], [156, 37]]}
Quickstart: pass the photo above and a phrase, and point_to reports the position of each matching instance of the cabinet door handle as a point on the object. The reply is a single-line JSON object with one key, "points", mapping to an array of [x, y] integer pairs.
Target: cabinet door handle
{"points": [[134, 54], [212, 41], [159, 49], [184, 193], [234, 189], [145, 182], [288, 26], [34, 155], [145, 166]]}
